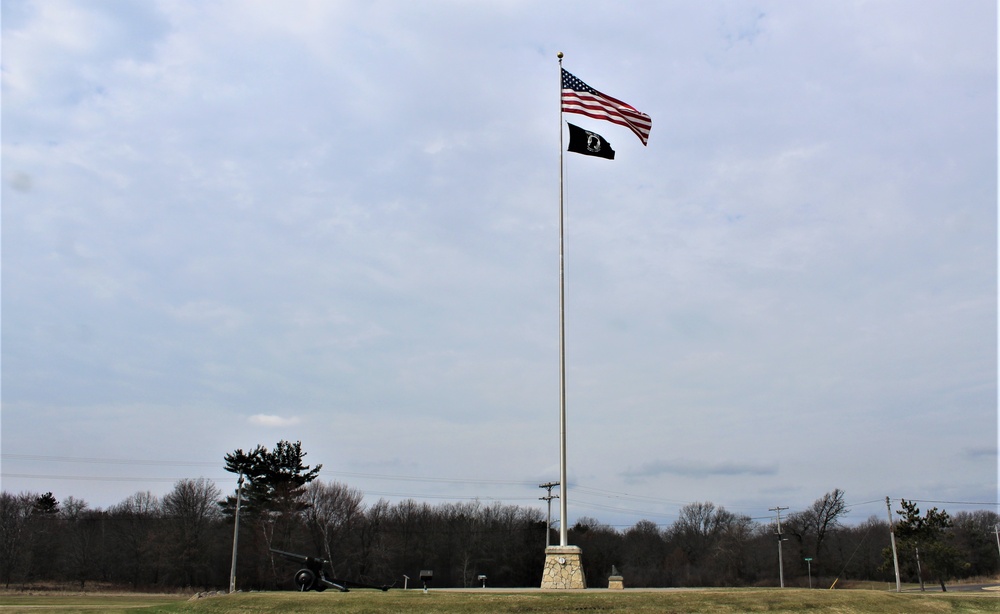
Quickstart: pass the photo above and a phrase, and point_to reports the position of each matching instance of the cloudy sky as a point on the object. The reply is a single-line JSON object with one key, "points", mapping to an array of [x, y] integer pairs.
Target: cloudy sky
{"points": [[233, 222]]}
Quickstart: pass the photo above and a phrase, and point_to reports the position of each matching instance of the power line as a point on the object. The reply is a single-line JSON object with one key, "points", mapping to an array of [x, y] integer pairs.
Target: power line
{"points": [[459, 497], [411, 478], [611, 494], [98, 478], [611, 508], [608, 494], [865, 503], [107, 461], [950, 502], [170, 463], [940, 502], [374, 493]]}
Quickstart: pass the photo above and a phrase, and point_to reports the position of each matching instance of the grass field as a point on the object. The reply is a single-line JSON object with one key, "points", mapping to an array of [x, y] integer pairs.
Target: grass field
{"points": [[69, 602], [459, 602]]}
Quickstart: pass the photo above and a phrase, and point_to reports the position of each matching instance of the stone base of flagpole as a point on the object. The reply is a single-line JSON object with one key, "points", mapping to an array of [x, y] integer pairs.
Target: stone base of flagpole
{"points": [[563, 568]]}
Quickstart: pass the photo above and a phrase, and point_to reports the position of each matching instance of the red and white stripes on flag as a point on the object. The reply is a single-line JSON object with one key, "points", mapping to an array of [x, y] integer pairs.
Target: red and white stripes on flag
{"points": [[578, 97]]}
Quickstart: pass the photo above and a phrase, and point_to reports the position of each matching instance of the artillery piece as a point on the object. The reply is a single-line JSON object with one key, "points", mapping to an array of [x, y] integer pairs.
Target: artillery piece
{"points": [[313, 576]]}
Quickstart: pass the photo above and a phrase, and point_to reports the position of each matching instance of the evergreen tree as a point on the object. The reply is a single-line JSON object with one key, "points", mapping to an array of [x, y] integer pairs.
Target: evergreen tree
{"points": [[930, 541], [272, 496]]}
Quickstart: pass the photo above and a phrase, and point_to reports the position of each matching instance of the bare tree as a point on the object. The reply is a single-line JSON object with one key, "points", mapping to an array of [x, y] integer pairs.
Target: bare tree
{"points": [[331, 509], [132, 526], [45, 528], [707, 540], [15, 512], [645, 551], [190, 510], [601, 543], [811, 527], [373, 556], [83, 554], [975, 536], [730, 550], [412, 527]]}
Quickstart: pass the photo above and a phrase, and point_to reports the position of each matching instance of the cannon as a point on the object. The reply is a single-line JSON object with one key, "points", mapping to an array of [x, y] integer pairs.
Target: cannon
{"points": [[312, 577]]}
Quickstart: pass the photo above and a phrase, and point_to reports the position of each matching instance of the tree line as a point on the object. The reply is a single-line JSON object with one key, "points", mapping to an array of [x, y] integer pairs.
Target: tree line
{"points": [[184, 540]]}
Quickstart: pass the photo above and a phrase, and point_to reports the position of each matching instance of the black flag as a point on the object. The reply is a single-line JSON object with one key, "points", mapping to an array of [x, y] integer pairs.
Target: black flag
{"points": [[588, 143]]}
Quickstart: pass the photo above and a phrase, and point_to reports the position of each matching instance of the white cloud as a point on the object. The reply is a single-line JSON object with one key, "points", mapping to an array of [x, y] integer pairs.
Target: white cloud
{"points": [[271, 420]]}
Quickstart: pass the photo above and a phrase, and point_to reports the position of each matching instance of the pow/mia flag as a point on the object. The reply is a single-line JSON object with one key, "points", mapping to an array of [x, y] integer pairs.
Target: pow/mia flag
{"points": [[588, 143]]}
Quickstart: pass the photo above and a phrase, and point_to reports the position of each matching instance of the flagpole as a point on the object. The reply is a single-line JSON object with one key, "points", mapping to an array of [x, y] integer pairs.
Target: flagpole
{"points": [[563, 531]]}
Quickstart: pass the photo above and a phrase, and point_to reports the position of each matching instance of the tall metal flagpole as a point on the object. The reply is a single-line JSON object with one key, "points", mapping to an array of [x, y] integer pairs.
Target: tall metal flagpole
{"points": [[563, 531]]}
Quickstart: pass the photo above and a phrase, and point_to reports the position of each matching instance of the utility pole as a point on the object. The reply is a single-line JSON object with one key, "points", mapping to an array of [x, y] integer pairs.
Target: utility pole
{"points": [[996, 529], [781, 567], [920, 574], [892, 538], [548, 519], [236, 532]]}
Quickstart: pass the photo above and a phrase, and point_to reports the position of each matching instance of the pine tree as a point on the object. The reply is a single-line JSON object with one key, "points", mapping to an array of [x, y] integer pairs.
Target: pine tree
{"points": [[930, 541]]}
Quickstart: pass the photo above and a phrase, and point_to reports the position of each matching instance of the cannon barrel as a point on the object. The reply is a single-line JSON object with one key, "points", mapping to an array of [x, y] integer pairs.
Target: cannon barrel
{"points": [[311, 562]]}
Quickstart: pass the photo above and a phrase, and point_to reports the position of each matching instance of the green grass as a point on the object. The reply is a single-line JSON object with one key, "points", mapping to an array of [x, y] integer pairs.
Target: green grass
{"points": [[446, 602], [66, 603]]}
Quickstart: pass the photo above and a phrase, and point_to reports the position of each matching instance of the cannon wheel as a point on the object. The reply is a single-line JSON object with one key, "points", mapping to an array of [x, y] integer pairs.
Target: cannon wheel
{"points": [[304, 579]]}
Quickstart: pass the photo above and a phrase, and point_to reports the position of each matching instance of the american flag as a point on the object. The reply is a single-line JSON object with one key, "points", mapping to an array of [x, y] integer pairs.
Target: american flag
{"points": [[578, 97]]}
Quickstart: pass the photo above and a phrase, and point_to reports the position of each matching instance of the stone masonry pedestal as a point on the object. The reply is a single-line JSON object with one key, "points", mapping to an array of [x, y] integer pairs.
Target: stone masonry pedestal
{"points": [[563, 568], [615, 580]]}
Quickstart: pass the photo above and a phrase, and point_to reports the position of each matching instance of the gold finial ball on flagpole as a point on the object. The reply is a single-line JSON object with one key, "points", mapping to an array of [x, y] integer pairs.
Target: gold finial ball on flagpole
{"points": [[559, 55]]}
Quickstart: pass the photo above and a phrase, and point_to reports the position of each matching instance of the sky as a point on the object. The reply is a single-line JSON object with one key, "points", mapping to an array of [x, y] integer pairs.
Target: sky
{"points": [[234, 222]]}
